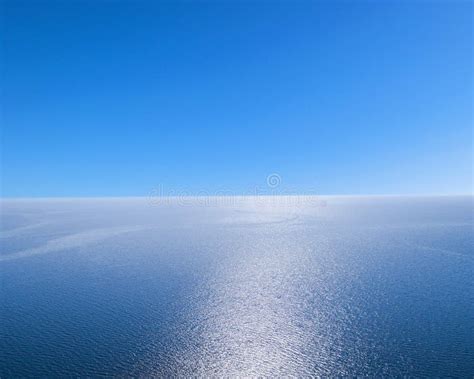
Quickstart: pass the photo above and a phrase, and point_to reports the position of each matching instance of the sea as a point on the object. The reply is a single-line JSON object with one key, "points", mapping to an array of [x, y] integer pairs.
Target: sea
{"points": [[336, 286]]}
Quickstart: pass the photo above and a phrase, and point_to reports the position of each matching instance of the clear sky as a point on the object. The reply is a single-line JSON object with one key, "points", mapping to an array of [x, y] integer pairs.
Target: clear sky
{"points": [[116, 98]]}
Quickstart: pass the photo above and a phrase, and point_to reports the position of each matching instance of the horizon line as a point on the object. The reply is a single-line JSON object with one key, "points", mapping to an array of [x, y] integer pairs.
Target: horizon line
{"points": [[132, 197]]}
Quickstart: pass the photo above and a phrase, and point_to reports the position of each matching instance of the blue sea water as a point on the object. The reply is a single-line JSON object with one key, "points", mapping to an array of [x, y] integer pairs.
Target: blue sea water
{"points": [[277, 286]]}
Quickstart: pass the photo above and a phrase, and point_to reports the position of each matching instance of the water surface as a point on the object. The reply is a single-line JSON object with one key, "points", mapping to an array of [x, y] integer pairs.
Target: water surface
{"points": [[375, 286]]}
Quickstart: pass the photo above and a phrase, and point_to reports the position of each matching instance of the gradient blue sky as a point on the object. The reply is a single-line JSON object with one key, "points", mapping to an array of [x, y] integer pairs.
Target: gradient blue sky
{"points": [[116, 98]]}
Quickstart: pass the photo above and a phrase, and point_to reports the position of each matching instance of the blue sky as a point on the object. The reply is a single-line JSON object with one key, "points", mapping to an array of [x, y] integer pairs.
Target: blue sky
{"points": [[115, 98]]}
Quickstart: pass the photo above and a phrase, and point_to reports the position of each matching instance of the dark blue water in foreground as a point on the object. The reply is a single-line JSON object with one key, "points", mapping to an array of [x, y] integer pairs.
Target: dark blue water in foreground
{"points": [[334, 287]]}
